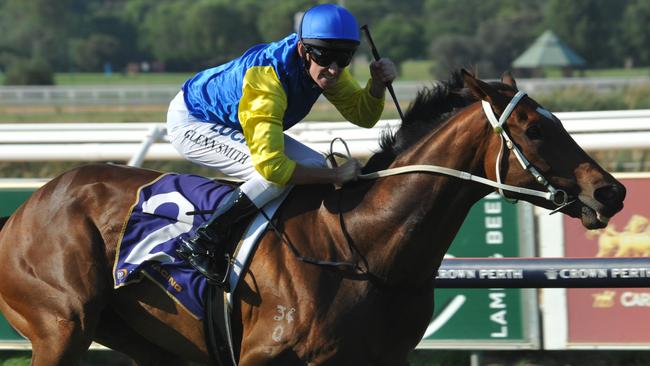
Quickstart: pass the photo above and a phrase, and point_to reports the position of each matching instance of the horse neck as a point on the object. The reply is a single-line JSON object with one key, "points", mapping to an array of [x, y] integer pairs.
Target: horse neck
{"points": [[407, 222]]}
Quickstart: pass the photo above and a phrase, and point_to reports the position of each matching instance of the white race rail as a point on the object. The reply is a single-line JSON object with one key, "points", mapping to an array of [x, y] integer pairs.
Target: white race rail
{"points": [[162, 94], [132, 142]]}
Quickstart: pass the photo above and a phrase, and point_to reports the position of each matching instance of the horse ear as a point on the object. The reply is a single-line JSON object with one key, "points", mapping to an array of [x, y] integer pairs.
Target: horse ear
{"points": [[480, 89], [508, 79]]}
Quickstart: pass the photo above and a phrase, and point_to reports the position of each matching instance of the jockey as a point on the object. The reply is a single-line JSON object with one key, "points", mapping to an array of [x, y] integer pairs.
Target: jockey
{"points": [[232, 117]]}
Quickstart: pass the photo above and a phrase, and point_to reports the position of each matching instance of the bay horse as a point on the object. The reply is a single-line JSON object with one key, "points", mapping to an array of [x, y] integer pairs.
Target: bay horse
{"points": [[57, 250]]}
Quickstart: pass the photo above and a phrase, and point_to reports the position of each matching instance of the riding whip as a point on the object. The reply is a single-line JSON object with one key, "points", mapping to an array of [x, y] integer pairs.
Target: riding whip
{"points": [[375, 54]]}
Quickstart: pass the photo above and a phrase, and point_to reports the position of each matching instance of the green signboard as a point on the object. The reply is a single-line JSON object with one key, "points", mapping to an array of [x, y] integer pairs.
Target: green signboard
{"points": [[487, 318], [10, 200]]}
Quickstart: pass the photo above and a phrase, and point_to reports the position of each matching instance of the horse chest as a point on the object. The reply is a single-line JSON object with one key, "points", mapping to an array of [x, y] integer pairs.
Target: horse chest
{"points": [[380, 330]]}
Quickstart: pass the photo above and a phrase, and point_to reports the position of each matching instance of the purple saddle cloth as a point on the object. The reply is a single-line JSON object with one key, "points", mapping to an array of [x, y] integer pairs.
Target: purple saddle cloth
{"points": [[158, 217]]}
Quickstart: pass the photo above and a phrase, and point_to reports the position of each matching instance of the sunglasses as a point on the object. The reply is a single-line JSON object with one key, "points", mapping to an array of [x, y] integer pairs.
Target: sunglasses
{"points": [[325, 56]]}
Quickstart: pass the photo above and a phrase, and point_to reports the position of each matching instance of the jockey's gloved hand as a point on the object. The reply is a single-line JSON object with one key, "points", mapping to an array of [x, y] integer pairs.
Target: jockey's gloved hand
{"points": [[382, 72]]}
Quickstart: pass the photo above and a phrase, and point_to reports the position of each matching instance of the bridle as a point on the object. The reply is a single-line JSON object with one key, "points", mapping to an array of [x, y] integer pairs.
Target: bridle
{"points": [[558, 196]]}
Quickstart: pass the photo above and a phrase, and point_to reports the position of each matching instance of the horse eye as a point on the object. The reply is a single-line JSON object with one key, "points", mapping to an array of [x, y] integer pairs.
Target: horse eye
{"points": [[534, 132]]}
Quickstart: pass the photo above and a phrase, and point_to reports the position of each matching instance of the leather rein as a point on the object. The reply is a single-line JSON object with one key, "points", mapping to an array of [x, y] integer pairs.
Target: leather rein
{"points": [[558, 196]]}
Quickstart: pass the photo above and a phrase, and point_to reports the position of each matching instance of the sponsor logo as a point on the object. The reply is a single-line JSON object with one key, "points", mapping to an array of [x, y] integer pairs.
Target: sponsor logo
{"points": [[630, 272], [632, 241], [219, 148], [499, 274], [631, 299], [575, 273], [482, 274], [551, 274], [168, 277], [121, 274], [604, 299]]}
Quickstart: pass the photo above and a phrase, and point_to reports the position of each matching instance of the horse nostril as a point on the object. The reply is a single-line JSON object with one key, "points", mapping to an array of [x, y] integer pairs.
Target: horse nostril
{"points": [[610, 195]]}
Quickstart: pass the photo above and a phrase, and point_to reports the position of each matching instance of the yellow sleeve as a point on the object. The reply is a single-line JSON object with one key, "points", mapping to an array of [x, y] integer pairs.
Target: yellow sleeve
{"points": [[261, 110], [355, 104]]}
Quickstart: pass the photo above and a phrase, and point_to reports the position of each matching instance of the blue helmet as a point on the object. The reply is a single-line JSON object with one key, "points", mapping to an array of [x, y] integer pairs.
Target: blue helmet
{"points": [[329, 25]]}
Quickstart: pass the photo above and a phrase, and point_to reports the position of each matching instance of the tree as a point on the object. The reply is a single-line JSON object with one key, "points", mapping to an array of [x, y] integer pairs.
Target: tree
{"points": [[452, 52], [162, 34], [456, 17], [635, 32], [227, 35], [35, 71], [90, 54], [278, 17], [172, 32], [399, 43], [503, 39], [589, 27], [37, 28]]}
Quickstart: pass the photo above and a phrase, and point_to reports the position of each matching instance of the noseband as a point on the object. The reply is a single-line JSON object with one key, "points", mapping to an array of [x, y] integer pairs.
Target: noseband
{"points": [[558, 196]]}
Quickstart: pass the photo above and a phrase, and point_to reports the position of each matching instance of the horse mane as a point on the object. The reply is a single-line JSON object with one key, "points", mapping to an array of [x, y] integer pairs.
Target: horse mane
{"points": [[431, 108]]}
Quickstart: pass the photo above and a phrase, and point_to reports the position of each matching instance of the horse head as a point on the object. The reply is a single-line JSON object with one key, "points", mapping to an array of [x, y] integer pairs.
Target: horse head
{"points": [[531, 148]]}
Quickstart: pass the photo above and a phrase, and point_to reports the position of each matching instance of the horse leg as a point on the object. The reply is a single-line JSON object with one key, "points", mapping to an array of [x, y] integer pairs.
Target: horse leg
{"points": [[115, 333], [54, 287], [60, 333]]}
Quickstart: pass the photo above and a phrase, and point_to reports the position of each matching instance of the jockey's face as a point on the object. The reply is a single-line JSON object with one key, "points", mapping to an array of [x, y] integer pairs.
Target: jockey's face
{"points": [[325, 76]]}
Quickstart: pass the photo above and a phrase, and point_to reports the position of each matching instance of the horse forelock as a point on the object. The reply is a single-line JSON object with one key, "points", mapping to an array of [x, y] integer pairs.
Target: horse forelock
{"points": [[431, 108]]}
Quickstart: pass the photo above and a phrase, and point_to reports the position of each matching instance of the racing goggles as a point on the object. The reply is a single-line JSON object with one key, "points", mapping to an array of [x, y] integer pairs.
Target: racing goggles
{"points": [[325, 56]]}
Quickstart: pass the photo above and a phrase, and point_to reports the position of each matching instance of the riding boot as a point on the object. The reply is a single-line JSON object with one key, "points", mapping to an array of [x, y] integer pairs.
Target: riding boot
{"points": [[209, 250]]}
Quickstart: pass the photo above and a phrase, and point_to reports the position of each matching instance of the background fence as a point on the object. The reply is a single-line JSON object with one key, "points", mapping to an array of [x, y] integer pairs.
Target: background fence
{"points": [[133, 142], [162, 94]]}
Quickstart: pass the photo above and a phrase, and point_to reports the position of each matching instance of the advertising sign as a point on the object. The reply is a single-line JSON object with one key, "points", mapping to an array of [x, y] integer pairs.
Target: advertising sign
{"points": [[610, 316], [10, 200], [494, 318]]}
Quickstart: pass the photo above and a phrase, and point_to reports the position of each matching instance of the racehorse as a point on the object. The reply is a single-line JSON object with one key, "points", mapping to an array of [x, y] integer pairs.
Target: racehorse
{"points": [[392, 231]]}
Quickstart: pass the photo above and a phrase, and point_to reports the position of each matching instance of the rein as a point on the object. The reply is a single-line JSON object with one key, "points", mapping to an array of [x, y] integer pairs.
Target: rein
{"points": [[454, 173], [559, 197]]}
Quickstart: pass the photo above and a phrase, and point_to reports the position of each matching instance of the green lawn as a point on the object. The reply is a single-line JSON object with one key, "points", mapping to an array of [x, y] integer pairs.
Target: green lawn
{"points": [[415, 70], [622, 73], [121, 79], [411, 70]]}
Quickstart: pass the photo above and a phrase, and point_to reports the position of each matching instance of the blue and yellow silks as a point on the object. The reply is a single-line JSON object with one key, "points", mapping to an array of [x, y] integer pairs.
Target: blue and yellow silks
{"points": [[266, 91]]}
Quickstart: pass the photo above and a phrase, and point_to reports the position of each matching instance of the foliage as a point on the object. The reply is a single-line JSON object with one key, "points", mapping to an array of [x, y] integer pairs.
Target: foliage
{"points": [[637, 97], [636, 38], [227, 33], [398, 43], [91, 53], [281, 17], [224, 34], [499, 45], [594, 36], [453, 52], [581, 99], [186, 36], [35, 71]]}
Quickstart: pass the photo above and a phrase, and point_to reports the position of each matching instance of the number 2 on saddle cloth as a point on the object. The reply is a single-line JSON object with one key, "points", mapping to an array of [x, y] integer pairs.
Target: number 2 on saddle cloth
{"points": [[164, 209]]}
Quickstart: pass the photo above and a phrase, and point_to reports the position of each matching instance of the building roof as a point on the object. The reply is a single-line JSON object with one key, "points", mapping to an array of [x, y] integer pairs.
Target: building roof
{"points": [[548, 51]]}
